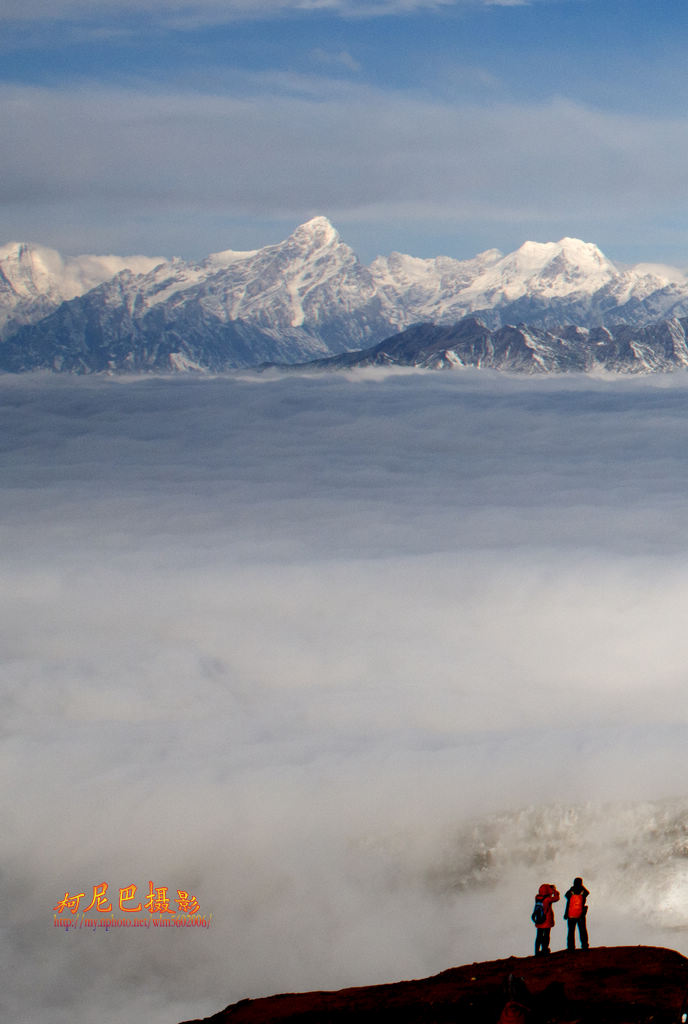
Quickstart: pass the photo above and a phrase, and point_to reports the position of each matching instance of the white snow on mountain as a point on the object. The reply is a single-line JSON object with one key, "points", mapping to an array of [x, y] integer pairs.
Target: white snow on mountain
{"points": [[273, 284], [310, 296], [548, 270], [281, 279], [310, 281], [430, 289], [35, 279], [569, 271], [285, 284]]}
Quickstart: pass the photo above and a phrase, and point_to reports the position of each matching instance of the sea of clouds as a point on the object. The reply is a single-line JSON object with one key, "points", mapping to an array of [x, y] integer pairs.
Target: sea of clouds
{"points": [[358, 660]]}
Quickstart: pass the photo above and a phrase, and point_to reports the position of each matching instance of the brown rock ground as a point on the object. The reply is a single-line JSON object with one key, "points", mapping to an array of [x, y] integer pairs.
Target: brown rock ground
{"points": [[608, 985]]}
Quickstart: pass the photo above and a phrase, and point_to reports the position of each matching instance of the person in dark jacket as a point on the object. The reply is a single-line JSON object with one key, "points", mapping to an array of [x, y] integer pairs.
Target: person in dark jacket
{"points": [[547, 895], [575, 913]]}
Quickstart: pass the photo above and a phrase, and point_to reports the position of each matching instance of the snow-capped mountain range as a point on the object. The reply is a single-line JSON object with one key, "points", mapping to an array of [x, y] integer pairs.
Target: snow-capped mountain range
{"points": [[35, 280], [305, 298]]}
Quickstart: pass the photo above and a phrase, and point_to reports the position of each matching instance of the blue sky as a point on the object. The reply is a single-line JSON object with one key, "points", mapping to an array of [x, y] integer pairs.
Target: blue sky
{"points": [[426, 127]]}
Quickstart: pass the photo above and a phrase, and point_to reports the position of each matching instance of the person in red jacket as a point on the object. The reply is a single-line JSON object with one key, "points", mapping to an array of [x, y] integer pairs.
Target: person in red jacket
{"points": [[544, 919], [575, 914]]}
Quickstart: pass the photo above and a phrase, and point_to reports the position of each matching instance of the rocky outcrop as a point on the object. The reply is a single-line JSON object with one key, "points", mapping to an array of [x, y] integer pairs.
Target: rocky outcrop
{"points": [[524, 348]]}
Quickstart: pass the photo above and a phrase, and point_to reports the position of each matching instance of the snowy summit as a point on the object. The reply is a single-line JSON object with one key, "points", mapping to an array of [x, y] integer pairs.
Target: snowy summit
{"points": [[306, 297]]}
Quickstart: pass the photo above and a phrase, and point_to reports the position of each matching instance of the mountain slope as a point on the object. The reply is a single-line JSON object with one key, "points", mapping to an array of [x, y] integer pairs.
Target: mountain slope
{"points": [[526, 349], [545, 284], [614, 985], [34, 280], [305, 297]]}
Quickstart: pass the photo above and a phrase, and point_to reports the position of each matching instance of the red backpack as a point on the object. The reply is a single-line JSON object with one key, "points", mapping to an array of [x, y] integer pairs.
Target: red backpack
{"points": [[576, 903]]}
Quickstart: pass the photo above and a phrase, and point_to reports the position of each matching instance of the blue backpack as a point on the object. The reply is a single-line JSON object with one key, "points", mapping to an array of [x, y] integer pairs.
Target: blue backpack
{"points": [[539, 914]]}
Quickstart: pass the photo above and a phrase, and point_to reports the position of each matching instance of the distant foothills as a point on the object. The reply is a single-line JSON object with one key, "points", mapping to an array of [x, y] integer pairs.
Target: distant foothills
{"points": [[547, 307]]}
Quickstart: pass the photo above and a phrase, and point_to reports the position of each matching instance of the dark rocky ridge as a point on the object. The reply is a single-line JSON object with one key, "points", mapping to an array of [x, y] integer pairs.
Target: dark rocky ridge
{"points": [[80, 339], [609, 985], [655, 347]]}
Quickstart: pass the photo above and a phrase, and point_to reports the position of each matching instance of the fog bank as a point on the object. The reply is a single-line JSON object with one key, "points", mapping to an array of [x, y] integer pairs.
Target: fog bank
{"points": [[357, 660]]}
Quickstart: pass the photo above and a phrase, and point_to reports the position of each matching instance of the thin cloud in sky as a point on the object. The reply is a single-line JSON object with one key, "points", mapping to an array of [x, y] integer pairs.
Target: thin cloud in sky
{"points": [[391, 118], [336, 59], [226, 10], [290, 147]]}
